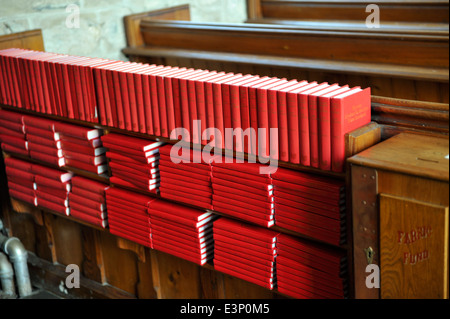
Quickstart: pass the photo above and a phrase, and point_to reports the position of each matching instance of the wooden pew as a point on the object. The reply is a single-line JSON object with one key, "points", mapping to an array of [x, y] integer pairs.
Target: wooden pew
{"points": [[424, 11]]}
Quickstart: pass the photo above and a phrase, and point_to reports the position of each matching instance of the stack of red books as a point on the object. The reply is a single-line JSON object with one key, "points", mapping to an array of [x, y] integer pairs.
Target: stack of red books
{"points": [[310, 205], [181, 231], [128, 216], [133, 161], [12, 133], [245, 251], [52, 188], [20, 180], [240, 190], [87, 201], [43, 142], [308, 270], [82, 147], [49, 83], [185, 177]]}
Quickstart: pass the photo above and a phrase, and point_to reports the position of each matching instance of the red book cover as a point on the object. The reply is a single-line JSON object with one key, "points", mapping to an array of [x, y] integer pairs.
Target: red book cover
{"points": [[89, 206], [21, 188], [300, 192], [23, 197], [58, 88], [244, 257], [173, 103], [85, 158], [116, 79], [258, 270], [18, 142], [100, 198], [165, 101], [81, 149], [264, 243], [88, 218], [77, 87], [243, 193], [181, 193], [193, 187], [349, 111], [42, 181], [96, 169], [260, 189], [309, 180], [138, 122], [288, 122], [312, 219], [38, 148], [14, 172], [194, 100], [226, 103], [239, 274], [231, 110], [51, 197], [218, 106], [314, 124], [7, 132], [137, 144], [159, 207], [18, 164], [255, 217], [304, 123], [200, 237], [11, 116], [263, 116], [79, 182], [200, 91], [244, 250], [57, 208], [37, 122], [184, 100], [324, 123], [68, 141], [13, 149], [263, 209], [155, 97], [210, 106], [48, 84], [77, 131], [64, 84]]}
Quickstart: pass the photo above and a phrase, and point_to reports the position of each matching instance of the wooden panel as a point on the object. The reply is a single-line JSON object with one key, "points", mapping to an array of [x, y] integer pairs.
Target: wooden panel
{"points": [[285, 41], [414, 249], [132, 22], [397, 10], [411, 154], [176, 278], [31, 40]]}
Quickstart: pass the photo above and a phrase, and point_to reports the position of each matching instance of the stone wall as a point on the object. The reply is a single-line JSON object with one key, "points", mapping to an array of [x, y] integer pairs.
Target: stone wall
{"points": [[100, 32]]}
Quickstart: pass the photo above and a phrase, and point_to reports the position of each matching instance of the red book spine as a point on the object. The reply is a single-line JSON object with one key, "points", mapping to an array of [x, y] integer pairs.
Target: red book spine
{"points": [[58, 73], [193, 115], [170, 105], [121, 79], [273, 122], [85, 93], [209, 101], [162, 106], [14, 87], [45, 88], [325, 134], [218, 112], [69, 91], [201, 108], [51, 89], [133, 104], [293, 146], [236, 116], [140, 103], [56, 88], [263, 123], [147, 104], [313, 131], [119, 101], [305, 158], [245, 117], [253, 111], [78, 91], [112, 98], [155, 106], [92, 101], [347, 114], [33, 85], [71, 85], [177, 103], [184, 100], [283, 116]]}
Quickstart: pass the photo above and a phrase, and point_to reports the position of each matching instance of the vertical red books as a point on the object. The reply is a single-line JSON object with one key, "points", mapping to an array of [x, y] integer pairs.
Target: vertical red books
{"points": [[349, 111]]}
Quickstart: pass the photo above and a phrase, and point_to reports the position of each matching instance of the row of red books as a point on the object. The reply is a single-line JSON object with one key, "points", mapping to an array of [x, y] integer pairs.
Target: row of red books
{"points": [[49, 83], [57, 190], [53, 142], [134, 162], [310, 119], [301, 202]]}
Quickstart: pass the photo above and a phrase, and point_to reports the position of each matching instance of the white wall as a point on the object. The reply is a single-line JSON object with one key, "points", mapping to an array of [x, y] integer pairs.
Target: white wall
{"points": [[100, 32]]}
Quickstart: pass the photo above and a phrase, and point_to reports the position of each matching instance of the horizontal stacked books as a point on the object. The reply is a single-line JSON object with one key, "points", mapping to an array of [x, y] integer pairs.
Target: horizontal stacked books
{"points": [[309, 120], [240, 190], [310, 205], [245, 251], [82, 147], [39, 185], [181, 231], [12, 133], [134, 162], [49, 83], [43, 142], [127, 215], [52, 188], [20, 180], [185, 177], [308, 270], [87, 201]]}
